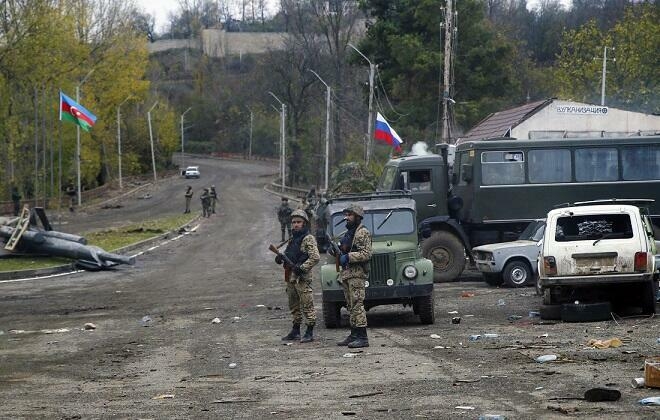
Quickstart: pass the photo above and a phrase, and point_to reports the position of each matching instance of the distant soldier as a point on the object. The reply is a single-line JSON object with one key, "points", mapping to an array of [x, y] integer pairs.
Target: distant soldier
{"points": [[71, 192], [284, 216], [16, 199], [206, 203], [355, 247], [189, 196], [214, 198], [303, 253]]}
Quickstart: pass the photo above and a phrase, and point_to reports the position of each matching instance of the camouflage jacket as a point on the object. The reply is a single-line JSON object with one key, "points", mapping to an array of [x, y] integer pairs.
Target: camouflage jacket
{"points": [[308, 246], [359, 255], [213, 193], [284, 214], [189, 193], [205, 197]]}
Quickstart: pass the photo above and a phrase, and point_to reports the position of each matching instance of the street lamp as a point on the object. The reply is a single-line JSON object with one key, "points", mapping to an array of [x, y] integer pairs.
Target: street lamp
{"points": [[328, 93], [84, 79], [121, 186], [283, 139], [372, 72], [183, 155], [151, 138]]}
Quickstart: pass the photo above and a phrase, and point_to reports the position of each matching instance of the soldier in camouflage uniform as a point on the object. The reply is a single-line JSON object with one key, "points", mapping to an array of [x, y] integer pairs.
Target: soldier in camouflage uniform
{"points": [[214, 198], [355, 247], [206, 203], [284, 216], [189, 196], [303, 253]]}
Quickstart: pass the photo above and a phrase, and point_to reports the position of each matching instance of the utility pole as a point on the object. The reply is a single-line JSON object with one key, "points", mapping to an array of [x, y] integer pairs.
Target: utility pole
{"points": [[151, 139], [328, 94], [283, 139], [370, 128], [604, 76], [183, 155], [445, 137], [121, 185]]}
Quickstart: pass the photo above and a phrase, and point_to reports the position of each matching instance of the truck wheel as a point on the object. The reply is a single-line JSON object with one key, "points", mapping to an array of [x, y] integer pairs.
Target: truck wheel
{"points": [[331, 314], [493, 279], [552, 312], [426, 309], [586, 312], [447, 253], [649, 298], [517, 274]]}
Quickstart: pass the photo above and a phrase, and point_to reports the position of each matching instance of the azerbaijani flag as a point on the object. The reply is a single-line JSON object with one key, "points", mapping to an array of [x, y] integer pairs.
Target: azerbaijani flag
{"points": [[386, 134], [72, 111]]}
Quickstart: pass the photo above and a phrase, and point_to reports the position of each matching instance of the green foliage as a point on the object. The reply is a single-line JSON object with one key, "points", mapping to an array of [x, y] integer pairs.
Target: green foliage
{"points": [[352, 177]]}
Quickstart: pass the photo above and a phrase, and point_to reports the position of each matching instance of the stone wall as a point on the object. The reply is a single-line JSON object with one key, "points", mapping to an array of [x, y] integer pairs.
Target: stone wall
{"points": [[219, 43]]}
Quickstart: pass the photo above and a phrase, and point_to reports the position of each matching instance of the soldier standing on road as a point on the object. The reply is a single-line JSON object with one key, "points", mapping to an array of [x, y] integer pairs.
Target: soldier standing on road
{"points": [[206, 203], [189, 195], [304, 254], [355, 247], [16, 199], [214, 198], [284, 216], [71, 192]]}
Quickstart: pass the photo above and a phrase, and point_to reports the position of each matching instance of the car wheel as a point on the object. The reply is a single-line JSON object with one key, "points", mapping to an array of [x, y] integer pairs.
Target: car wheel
{"points": [[447, 253], [586, 312], [517, 274], [552, 312], [426, 309], [649, 298], [493, 279], [331, 314]]}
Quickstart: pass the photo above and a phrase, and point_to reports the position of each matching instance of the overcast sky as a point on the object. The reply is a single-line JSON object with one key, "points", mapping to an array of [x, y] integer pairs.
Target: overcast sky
{"points": [[162, 8]]}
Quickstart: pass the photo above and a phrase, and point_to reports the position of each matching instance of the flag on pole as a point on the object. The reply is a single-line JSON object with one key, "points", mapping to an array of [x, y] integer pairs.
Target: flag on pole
{"points": [[386, 134], [72, 111]]}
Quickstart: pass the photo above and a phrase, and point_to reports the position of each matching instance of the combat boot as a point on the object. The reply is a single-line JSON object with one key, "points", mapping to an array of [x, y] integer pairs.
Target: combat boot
{"points": [[309, 335], [361, 340], [294, 334], [351, 337]]}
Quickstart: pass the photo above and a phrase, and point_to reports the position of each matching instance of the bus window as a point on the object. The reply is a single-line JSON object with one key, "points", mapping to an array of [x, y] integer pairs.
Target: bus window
{"points": [[502, 168], [420, 180], [596, 164], [550, 165], [640, 162]]}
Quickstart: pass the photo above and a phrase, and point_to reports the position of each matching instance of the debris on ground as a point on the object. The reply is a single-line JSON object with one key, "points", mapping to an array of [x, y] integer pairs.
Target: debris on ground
{"points": [[546, 358], [456, 320], [146, 320], [501, 302], [467, 294], [650, 401], [637, 382], [232, 365], [163, 397], [602, 394], [216, 321], [435, 336], [514, 317], [90, 326], [464, 407], [605, 344]]}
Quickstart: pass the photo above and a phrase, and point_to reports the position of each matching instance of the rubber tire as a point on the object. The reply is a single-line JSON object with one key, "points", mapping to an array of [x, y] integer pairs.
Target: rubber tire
{"points": [[493, 279], [537, 286], [331, 314], [586, 312], [517, 274], [551, 312], [444, 245], [649, 298], [426, 308], [548, 297]]}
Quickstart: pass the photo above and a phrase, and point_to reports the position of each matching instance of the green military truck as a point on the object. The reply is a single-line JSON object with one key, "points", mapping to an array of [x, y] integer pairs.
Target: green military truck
{"points": [[496, 187], [397, 272]]}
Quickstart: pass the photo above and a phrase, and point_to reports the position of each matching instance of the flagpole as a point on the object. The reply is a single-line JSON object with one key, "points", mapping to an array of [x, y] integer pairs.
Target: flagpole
{"points": [[78, 138], [328, 94], [151, 139], [372, 73]]}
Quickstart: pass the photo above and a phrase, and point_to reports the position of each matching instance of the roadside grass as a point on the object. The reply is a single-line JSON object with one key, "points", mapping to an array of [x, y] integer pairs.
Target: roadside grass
{"points": [[107, 239]]}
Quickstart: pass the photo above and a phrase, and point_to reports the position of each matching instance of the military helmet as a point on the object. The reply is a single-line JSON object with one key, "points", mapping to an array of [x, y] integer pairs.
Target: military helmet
{"points": [[285, 199], [301, 214], [355, 209]]}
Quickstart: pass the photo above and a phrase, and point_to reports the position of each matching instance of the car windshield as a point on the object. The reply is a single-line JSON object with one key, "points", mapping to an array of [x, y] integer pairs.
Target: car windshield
{"points": [[533, 231], [386, 181], [380, 222], [593, 226]]}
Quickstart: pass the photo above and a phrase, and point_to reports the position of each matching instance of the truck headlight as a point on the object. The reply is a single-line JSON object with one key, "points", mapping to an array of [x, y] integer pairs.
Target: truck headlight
{"points": [[409, 272]]}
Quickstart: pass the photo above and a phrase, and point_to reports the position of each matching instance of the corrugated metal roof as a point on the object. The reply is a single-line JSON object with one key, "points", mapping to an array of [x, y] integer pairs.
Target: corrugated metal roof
{"points": [[500, 123]]}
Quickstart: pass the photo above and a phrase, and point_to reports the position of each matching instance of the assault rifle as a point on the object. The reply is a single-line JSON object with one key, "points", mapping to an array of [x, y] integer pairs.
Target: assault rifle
{"points": [[335, 250], [288, 265]]}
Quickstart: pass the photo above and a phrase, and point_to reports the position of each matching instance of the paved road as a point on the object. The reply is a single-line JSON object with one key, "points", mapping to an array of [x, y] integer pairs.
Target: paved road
{"points": [[179, 364]]}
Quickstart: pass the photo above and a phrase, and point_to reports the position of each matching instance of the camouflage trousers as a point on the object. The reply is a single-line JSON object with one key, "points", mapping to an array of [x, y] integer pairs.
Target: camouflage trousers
{"points": [[187, 210], [213, 200], [354, 296], [301, 302]]}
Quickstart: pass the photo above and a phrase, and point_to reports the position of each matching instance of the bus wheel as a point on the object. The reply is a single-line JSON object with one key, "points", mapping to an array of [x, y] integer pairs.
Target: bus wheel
{"points": [[446, 252]]}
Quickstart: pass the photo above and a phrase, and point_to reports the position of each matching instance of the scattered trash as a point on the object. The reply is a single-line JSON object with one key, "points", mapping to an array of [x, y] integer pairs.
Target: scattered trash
{"points": [[652, 372], [534, 314], [538, 388], [467, 294], [629, 352], [514, 317], [287, 344], [546, 358], [349, 355], [637, 382], [260, 306], [466, 381], [474, 337], [147, 196], [236, 318], [163, 397], [657, 341], [216, 321], [542, 336], [602, 394], [492, 417], [232, 365], [501, 302], [348, 413], [650, 401], [58, 330], [605, 344], [464, 407], [146, 320], [456, 313], [456, 320], [90, 326], [441, 347], [491, 335], [209, 309], [435, 336]]}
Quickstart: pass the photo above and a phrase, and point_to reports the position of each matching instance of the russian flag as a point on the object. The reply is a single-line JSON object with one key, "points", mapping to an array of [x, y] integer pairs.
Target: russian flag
{"points": [[386, 134]]}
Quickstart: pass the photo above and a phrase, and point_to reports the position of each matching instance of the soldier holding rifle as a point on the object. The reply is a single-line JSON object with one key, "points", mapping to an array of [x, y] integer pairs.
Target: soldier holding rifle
{"points": [[299, 257]]}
